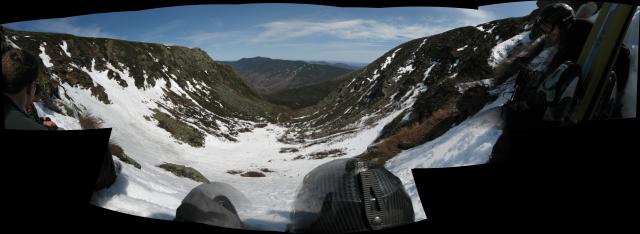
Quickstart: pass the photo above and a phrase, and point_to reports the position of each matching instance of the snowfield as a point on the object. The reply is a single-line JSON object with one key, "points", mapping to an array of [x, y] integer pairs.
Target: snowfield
{"points": [[156, 193], [153, 192]]}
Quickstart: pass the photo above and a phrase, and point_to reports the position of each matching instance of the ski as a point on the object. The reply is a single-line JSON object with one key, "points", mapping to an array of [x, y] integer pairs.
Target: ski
{"points": [[599, 55]]}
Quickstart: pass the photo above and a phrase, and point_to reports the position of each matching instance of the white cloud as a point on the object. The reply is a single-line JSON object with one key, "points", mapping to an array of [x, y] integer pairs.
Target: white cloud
{"points": [[164, 29], [329, 45], [470, 17], [372, 30], [203, 38], [354, 29], [347, 39], [67, 25], [398, 29]]}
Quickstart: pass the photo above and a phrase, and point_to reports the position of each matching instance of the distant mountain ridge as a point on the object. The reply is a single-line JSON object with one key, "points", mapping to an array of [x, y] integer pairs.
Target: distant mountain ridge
{"points": [[268, 76], [347, 65]]}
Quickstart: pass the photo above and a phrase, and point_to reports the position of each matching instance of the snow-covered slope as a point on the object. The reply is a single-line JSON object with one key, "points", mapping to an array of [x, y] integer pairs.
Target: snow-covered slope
{"points": [[394, 89], [154, 192], [411, 81], [468, 143], [142, 79]]}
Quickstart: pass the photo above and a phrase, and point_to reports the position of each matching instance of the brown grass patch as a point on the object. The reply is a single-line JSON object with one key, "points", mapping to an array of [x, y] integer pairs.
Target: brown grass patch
{"points": [[184, 171], [334, 153], [119, 152], [253, 174], [408, 137], [288, 150], [90, 122], [327, 153]]}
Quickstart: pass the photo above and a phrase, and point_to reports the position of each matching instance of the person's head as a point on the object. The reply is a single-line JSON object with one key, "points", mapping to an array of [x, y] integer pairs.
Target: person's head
{"points": [[555, 19], [213, 203], [350, 195], [587, 10], [20, 71]]}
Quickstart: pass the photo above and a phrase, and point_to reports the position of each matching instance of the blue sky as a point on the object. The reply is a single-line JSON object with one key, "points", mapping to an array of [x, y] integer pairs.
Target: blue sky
{"points": [[285, 31]]}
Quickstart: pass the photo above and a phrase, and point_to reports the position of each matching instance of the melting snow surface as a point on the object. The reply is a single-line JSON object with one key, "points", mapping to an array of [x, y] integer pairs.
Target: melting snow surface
{"points": [[10, 43], [389, 59], [406, 69], [462, 48], [502, 50], [43, 55], [426, 73], [65, 49]]}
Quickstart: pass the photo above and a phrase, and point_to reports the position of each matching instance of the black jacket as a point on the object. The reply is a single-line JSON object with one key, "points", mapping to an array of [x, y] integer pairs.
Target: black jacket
{"points": [[573, 43], [16, 118]]}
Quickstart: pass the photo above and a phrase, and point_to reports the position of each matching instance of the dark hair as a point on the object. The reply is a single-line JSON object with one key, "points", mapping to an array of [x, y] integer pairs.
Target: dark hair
{"points": [[558, 14], [19, 70], [562, 16]]}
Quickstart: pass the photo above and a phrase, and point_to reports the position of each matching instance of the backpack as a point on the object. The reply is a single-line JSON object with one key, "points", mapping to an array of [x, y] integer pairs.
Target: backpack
{"points": [[557, 92], [543, 100]]}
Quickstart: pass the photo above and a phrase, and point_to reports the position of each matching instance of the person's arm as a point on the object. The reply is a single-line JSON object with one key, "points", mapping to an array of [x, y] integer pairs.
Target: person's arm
{"points": [[31, 111], [519, 59], [46, 121], [531, 51]]}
